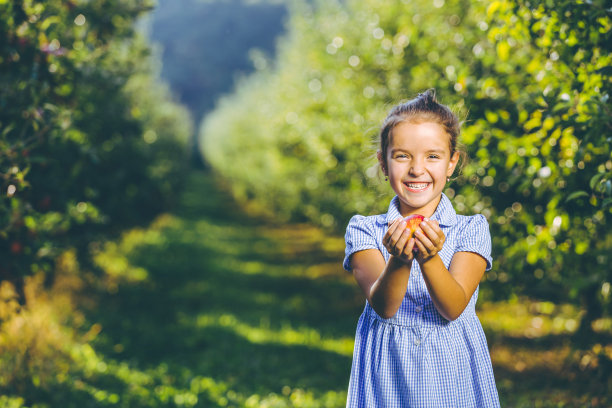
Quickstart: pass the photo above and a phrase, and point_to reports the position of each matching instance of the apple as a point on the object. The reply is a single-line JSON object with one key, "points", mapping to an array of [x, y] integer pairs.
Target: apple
{"points": [[412, 222]]}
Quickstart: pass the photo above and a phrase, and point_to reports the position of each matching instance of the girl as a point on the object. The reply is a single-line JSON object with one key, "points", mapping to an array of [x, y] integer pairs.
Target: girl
{"points": [[419, 342]]}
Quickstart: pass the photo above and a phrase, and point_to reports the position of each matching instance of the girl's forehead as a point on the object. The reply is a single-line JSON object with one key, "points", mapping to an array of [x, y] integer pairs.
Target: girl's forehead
{"points": [[420, 135]]}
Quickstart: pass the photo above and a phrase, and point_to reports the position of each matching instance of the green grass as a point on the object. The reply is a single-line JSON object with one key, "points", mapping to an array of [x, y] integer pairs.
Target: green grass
{"points": [[213, 307], [224, 309]]}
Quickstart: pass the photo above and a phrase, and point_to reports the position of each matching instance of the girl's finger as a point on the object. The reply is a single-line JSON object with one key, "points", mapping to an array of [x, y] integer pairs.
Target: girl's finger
{"points": [[402, 239], [390, 230], [431, 230], [395, 221], [424, 239], [409, 249], [394, 225], [397, 233], [421, 248]]}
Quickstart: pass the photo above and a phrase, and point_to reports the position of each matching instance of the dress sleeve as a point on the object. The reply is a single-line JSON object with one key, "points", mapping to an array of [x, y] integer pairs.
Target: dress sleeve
{"points": [[359, 236], [476, 238]]}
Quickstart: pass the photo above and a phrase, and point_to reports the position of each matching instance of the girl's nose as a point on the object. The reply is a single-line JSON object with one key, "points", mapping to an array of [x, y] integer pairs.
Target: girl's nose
{"points": [[417, 168]]}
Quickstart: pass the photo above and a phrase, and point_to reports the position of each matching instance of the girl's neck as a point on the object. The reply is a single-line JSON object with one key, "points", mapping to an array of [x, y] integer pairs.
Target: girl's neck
{"points": [[426, 211]]}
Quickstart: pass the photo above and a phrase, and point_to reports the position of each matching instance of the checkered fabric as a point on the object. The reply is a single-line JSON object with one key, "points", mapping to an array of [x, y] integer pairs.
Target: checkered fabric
{"points": [[417, 358]]}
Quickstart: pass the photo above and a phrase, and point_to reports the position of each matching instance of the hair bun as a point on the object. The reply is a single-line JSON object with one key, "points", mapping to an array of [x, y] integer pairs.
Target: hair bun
{"points": [[429, 96]]}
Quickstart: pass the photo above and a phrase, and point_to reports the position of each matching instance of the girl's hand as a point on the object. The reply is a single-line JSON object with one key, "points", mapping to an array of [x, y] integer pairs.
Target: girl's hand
{"points": [[398, 242], [429, 240]]}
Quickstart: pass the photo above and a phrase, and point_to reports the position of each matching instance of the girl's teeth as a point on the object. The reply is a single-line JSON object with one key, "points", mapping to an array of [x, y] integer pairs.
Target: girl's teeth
{"points": [[417, 186]]}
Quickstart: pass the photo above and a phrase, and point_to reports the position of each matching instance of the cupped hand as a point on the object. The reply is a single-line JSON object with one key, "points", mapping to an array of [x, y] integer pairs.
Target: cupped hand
{"points": [[429, 240], [398, 240]]}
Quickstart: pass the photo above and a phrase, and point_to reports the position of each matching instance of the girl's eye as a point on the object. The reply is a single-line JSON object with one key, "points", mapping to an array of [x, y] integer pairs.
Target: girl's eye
{"points": [[433, 156]]}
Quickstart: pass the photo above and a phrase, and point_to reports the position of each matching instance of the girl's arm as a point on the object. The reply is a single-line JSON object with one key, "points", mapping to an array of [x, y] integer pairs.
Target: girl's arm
{"points": [[450, 289], [384, 285]]}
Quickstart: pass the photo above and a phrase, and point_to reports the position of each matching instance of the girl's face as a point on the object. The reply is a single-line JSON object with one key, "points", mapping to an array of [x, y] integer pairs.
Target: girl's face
{"points": [[417, 162]]}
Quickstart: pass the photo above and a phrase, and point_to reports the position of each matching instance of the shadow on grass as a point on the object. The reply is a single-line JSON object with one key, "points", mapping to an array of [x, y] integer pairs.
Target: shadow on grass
{"points": [[265, 309], [255, 306]]}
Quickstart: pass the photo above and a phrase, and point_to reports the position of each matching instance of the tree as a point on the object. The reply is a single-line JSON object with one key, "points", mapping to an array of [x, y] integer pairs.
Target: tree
{"points": [[533, 77], [542, 130], [83, 148]]}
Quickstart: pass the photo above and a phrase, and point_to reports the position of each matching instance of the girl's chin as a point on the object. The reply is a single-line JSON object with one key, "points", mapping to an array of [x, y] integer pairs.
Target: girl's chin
{"points": [[417, 202]]}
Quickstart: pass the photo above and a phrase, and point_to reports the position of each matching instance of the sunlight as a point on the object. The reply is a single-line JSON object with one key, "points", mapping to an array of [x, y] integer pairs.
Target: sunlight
{"points": [[287, 335]]}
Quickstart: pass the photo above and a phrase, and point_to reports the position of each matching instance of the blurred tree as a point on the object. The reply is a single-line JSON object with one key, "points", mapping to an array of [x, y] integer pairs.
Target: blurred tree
{"points": [[296, 138], [542, 127], [298, 135], [89, 142], [206, 45]]}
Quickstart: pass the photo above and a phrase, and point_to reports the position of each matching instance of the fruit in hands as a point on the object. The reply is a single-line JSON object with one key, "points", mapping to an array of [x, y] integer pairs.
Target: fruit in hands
{"points": [[412, 223]]}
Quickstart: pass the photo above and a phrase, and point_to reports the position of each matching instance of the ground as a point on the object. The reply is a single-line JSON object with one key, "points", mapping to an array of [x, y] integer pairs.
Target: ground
{"points": [[211, 306]]}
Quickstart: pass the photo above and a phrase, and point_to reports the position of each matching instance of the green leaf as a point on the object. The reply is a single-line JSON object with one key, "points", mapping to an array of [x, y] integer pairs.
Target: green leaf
{"points": [[575, 195], [595, 179]]}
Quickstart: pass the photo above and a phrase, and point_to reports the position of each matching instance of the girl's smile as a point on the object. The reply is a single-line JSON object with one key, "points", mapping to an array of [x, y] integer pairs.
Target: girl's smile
{"points": [[416, 187], [418, 163]]}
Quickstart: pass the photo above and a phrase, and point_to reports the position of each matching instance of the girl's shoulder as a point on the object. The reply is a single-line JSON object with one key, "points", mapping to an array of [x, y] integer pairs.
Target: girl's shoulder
{"points": [[377, 221], [363, 232], [472, 235], [366, 223], [471, 225], [472, 221]]}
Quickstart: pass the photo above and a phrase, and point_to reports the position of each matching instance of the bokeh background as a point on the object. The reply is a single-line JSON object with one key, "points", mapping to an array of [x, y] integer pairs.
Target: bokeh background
{"points": [[176, 177]]}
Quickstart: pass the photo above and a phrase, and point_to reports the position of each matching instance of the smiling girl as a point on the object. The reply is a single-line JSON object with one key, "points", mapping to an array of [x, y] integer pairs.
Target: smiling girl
{"points": [[419, 342]]}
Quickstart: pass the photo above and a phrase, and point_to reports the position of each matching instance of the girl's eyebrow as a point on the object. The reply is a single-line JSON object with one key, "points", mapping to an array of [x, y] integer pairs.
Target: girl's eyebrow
{"points": [[400, 149]]}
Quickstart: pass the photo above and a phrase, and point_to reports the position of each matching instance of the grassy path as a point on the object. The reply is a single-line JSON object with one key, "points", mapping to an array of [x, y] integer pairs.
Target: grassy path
{"points": [[232, 311], [209, 307]]}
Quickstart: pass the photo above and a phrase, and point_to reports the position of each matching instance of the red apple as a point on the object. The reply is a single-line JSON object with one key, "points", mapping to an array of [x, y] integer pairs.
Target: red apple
{"points": [[412, 223]]}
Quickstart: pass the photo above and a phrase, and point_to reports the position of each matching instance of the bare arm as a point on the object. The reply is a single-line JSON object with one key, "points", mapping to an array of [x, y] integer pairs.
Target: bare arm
{"points": [[450, 289], [384, 284]]}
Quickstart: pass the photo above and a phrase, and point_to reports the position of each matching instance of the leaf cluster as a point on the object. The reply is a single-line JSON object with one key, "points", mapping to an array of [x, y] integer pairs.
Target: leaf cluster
{"points": [[89, 142], [299, 137]]}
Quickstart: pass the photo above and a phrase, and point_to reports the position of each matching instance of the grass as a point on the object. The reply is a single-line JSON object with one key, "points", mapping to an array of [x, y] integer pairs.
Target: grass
{"points": [[212, 307]]}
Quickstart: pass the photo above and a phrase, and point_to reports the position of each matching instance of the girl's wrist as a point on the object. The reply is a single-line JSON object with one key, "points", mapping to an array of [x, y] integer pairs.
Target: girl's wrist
{"points": [[399, 261], [423, 261]]}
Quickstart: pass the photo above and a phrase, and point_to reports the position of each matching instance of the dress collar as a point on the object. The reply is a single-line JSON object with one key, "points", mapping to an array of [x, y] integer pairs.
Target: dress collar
{"points": [[445, 213]]}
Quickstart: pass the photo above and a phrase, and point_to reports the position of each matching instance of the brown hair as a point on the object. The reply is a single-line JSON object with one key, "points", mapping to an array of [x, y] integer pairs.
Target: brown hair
{"points": [[423, 108]]}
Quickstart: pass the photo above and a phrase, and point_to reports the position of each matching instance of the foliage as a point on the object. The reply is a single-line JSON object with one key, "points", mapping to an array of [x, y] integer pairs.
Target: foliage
{"points": [[297, 138], [34, 339], [178, 335], [89, 142], [543, 109]]}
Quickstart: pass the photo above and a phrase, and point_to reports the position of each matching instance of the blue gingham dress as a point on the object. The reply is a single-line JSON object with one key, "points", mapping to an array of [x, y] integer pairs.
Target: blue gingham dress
{"points": [[417, 358]]}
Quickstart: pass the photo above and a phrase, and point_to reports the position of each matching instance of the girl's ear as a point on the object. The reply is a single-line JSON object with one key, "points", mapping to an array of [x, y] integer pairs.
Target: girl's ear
{"points": [[381, 161], [453, 163]]}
